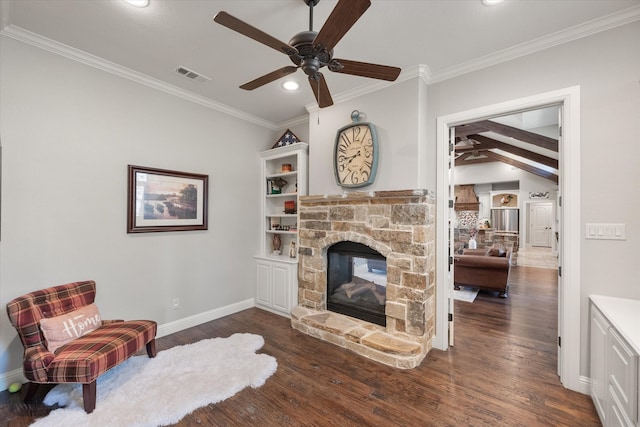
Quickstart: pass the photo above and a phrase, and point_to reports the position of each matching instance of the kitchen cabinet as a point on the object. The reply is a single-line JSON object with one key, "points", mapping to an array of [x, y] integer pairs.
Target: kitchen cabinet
{"points": [[615, 355]]}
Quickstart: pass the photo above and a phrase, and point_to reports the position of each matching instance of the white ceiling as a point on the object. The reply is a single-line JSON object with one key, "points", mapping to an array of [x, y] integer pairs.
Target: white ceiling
{"points": [[450, 37]]}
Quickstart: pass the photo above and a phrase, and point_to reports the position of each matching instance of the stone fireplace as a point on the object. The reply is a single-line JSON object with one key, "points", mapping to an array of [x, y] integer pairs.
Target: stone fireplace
{"points": [[398, 227]]}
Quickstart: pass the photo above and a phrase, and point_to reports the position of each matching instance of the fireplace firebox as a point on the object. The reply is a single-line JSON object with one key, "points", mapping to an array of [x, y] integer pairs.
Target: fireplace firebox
{"points": [[356, 281]]}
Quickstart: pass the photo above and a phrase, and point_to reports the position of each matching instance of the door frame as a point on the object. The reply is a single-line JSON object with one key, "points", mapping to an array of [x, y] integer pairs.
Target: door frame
{"points": [[569, 290]]}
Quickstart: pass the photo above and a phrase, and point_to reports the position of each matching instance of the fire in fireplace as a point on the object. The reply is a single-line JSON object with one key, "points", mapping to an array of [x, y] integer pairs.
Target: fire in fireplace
{"points": [[356, 281]]}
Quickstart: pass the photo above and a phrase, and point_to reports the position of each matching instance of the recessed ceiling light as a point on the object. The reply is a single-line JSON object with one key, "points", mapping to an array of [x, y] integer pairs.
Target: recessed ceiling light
{"points": [[491, 2], [290, 85], [138, 3]]}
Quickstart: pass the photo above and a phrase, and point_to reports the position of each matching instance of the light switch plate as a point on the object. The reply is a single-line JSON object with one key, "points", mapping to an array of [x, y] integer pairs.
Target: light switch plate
{"points": [[599, 231]]}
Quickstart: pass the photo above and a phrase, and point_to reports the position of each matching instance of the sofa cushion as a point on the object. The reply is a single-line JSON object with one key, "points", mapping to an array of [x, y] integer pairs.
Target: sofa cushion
{"points": [[60, 330]]}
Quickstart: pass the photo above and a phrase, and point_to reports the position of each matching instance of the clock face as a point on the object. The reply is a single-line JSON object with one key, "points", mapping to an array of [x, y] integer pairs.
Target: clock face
{"points": [[356, 155]]}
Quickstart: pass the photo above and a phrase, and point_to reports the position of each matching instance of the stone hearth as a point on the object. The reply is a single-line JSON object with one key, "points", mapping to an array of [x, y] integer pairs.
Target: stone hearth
{"points": [[400, 226]]}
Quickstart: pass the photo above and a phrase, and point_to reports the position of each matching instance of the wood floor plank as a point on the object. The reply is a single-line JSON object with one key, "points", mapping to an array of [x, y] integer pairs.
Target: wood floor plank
{"points": [[501, 372]]}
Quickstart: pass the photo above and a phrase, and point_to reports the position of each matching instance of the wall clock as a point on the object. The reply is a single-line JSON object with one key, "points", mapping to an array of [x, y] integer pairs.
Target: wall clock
{"points": [[355, 153]]}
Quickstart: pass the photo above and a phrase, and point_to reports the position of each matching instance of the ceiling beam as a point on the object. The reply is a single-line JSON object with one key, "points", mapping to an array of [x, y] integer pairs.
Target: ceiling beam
{"points": [[486, 142], [519, 134], [463, 159], [524, 166], [471, 128]]}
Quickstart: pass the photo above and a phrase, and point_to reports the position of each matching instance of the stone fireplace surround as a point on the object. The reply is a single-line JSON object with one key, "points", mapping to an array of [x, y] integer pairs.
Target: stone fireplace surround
{"points": [[401, 226]]}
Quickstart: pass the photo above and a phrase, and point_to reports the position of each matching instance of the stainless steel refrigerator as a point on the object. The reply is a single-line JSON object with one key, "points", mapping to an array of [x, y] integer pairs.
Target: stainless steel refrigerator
{"points": [[505, 219]]}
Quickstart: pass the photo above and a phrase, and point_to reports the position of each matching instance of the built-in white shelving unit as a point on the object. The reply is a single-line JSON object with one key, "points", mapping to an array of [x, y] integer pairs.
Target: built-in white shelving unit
{"points": [[284, 179]]}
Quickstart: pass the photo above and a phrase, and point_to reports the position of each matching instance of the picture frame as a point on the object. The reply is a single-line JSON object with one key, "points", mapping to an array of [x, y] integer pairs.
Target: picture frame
{"points": [[165, 200]]}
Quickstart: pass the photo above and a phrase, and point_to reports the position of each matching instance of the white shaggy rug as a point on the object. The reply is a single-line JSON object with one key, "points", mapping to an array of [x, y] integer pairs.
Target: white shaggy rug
{"points": [[465, 294], [161, 391]]}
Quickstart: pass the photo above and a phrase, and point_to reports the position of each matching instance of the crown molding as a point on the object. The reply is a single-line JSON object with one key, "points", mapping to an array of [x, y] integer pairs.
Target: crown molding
{"points": [[420, 71], [301, 120], [586, 29], [85, 58]]}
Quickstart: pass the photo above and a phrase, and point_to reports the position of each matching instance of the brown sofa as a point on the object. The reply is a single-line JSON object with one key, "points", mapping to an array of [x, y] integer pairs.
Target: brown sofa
{"points": [[486, 269]]}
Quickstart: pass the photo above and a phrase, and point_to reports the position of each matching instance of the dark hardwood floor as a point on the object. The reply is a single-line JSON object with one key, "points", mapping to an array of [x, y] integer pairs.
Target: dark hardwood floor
{"points": [[501, 372]]}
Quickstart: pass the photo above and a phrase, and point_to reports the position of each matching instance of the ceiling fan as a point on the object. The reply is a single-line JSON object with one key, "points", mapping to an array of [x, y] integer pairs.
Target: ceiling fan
{"points": [[312, 50]]}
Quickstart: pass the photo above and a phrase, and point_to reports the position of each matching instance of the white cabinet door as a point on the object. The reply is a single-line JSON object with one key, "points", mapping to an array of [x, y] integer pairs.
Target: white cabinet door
{"points": [[277, 285], [616, 415], [623, 374], [281, 285], [263, 275], [599, 331]]}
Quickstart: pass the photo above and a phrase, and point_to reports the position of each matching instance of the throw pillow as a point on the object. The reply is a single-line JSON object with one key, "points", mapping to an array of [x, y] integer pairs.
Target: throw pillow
{"points": [[493, 252], [60, 330], [496, 252]]}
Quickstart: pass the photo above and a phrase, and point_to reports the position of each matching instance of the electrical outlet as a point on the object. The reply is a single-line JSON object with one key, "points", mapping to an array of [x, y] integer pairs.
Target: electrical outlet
{"points": [[175, 304]]}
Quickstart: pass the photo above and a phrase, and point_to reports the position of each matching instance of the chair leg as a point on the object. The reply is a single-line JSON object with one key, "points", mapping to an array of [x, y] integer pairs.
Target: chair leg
{"points": [[89, 396], [30, 392], [151, 348]]}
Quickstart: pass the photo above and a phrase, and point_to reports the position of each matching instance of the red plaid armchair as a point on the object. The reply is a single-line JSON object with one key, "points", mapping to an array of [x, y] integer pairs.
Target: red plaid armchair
{"points": [[83, 359]]}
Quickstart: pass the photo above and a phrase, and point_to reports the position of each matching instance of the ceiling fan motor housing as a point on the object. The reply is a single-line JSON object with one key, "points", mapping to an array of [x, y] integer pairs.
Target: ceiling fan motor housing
{"points": [[309, 58]]}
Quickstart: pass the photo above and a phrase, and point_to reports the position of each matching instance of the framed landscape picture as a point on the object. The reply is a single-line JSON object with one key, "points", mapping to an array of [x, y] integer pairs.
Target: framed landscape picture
{"points": [[165, 200]]}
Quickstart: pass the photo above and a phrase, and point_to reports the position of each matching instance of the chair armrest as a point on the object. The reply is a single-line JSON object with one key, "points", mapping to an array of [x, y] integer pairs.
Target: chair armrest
{"points": [[35, 363]]}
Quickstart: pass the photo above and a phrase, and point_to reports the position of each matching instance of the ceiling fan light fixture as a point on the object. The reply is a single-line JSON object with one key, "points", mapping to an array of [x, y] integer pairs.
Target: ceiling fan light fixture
{"points": [[137, 3], [491, 2], [290, 85]]}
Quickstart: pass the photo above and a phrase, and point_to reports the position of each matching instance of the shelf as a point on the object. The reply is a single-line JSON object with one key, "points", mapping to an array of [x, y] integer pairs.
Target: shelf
{"points": [[281, 232], [281, 258], [274, 196], [281, 175], [282, 216]]}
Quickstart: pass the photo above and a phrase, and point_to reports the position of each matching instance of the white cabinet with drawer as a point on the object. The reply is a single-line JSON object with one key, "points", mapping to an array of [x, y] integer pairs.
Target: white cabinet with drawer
{"points": [[615, 350]]}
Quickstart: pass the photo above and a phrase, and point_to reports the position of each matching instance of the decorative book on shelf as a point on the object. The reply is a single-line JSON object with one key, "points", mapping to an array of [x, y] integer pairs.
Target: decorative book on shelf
{"points": [[287, 138]]}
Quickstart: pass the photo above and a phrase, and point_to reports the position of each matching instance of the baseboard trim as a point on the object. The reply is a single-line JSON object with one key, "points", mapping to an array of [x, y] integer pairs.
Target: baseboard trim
{"points": [[584, 385], [16, 376], [8, 378], [200, 318]]}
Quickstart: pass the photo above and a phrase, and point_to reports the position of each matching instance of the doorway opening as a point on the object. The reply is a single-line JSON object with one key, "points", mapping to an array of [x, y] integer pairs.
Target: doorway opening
{"points": [[568, 214]]}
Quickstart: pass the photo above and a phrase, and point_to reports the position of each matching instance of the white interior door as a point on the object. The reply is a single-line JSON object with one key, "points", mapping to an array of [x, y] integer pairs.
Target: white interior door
{"points": [[541, 224]]}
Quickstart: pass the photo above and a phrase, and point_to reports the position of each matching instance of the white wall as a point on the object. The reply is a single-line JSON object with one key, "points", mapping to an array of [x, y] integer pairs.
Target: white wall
{"points": [[606, 66], [399, 114], [68, 132]]}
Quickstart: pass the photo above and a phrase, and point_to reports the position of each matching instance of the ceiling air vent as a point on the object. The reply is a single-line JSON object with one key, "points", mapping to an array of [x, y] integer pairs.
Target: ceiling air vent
{"points": [[192, 75]]}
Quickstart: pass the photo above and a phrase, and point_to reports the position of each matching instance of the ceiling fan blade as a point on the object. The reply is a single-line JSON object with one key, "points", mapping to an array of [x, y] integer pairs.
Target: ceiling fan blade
{"points": [[223, 18], [364, 69], [268, 78], [342, 18], [321, 91]]}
